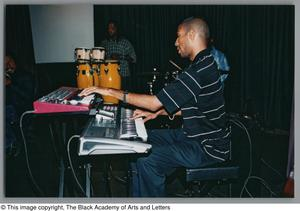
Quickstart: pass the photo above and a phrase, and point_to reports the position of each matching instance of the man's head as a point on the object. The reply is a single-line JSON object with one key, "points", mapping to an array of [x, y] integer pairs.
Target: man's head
{"points": [[10, 63], [112, 29], [192, 35]]}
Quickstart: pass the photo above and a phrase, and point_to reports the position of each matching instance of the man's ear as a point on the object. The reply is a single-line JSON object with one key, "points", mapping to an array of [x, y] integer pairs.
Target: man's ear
{"points": [[191, 34]]}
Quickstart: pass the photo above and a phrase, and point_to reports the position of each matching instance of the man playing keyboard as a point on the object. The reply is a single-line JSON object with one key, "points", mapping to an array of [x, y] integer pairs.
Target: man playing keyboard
{"points": [[197, 95]]}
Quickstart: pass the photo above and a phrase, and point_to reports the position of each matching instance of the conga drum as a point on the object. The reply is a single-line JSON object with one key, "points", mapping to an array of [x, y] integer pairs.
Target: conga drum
{"points": [[110, 78], [97, 55], [96, 74], [84, 76]]}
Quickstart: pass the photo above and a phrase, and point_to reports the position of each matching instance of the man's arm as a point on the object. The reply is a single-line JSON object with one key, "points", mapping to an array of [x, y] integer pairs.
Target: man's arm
{"points": [[149, 102], [149, 115], [164, 112]]}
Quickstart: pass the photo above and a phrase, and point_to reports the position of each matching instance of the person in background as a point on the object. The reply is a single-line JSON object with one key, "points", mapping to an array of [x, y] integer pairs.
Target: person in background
{"points": [[119, 48], [19, 95], [221, 61], [197, 95]]}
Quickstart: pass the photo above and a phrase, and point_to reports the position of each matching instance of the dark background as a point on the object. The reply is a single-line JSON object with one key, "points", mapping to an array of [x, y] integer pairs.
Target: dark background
{"points": [[258, 41]]}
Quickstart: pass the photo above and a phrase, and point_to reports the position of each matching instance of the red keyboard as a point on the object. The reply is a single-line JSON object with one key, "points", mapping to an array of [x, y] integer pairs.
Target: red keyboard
{"points": [[64, 99]]}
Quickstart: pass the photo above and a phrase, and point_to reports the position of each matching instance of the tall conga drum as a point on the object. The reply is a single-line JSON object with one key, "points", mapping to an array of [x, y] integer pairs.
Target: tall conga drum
{"points": [[96, 74], [84, 76], [110, 78], [84, 71], [97, 57]]}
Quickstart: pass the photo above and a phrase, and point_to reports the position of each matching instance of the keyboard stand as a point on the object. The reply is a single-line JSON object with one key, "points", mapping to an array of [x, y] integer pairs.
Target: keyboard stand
{"points": [[59, 125], [61, 179], [87, 179], [57, 149]]}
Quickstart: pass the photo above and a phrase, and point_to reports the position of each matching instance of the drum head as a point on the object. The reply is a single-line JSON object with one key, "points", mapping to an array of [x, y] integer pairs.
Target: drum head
{"points": [[98, 48], [81, 48], [97, 54], [110, 61], [82, 54]]}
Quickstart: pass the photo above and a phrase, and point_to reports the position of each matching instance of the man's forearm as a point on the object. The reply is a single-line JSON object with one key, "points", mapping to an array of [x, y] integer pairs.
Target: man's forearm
{"points": [[149, 102], [164, 112]]}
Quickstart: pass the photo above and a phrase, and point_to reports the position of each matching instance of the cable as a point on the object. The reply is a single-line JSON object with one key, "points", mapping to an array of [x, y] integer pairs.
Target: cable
{"points": [[53, 144], [262, 182], [241, 125], [268, 165], [117, 178], [26, 154], [250, 158], [71, 165]]}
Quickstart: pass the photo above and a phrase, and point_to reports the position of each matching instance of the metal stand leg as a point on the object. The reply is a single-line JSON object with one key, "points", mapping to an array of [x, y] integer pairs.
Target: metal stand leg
{"points": [[62, 165], [87, 180], [61, 179], [60, 160], [107, 178]]}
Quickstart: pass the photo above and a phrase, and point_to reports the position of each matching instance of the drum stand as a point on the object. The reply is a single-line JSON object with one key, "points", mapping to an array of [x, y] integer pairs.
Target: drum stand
{"points": [[151, 83]]}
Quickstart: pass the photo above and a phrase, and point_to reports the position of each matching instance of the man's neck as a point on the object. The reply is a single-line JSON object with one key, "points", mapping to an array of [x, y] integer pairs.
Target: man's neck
{"points": [[114, 38], [196, 51]]}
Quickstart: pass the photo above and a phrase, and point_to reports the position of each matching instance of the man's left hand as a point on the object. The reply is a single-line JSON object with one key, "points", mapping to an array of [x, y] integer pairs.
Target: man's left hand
{"points": [[94, 89]]}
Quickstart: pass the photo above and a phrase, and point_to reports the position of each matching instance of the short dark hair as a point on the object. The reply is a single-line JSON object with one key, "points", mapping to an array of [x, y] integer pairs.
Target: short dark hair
{"points": [[118, 33], [199, 24], [12, 55], [113, 22]]}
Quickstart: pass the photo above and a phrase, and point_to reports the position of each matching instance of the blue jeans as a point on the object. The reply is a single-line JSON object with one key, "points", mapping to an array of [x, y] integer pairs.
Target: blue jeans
{"points": [[170, 149]]}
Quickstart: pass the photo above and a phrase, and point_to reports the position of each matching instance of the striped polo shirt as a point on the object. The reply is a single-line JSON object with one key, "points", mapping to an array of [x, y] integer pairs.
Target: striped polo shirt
{"points": [[198, 93]]}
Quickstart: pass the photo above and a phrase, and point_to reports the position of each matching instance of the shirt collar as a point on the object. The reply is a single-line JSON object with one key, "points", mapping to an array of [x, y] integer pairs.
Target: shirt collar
{"points": [[201, 54]]}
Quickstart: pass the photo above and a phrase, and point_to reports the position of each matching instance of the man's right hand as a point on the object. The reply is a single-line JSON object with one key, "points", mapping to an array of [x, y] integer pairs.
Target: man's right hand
{"points": [[140, 113]]}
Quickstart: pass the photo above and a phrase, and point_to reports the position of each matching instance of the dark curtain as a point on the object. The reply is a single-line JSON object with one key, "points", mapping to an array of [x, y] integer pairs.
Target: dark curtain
{"points": [[18, 36], [258, 41]]}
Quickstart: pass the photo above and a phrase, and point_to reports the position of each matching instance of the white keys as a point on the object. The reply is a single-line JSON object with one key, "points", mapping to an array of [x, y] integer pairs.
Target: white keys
{"points": [[87, 99], [140, 129], [112, 146], [132, 128]]}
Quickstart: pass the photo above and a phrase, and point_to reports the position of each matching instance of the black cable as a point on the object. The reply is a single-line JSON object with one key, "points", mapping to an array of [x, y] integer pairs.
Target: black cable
{"points": [[26, 154]]}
